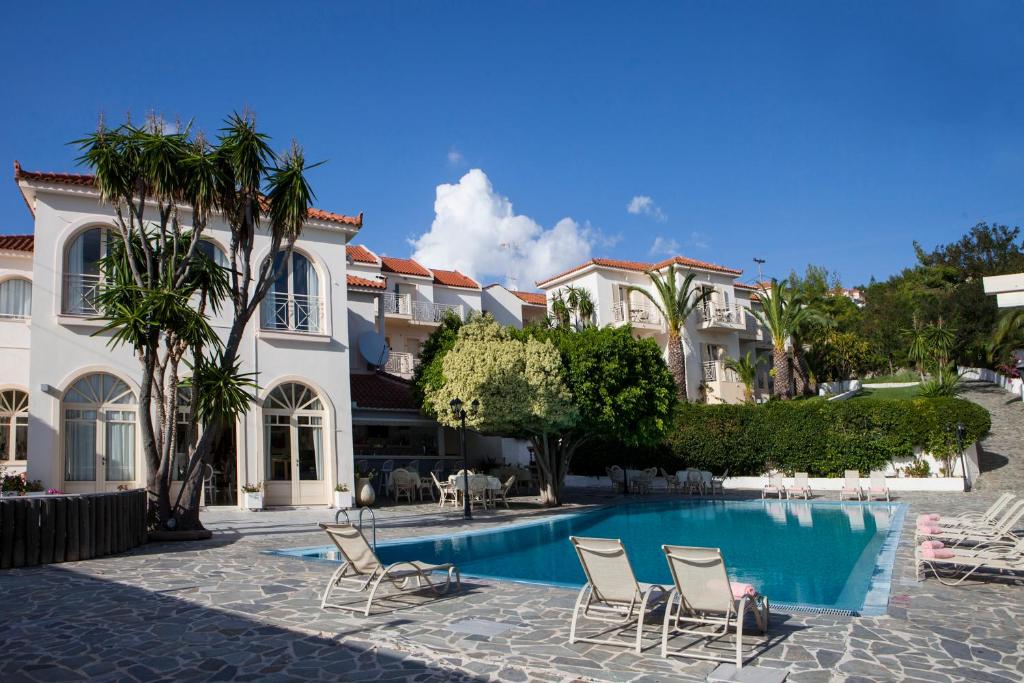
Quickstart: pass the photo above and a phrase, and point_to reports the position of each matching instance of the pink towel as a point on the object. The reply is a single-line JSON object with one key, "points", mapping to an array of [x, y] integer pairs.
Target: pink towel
{"points": [[740, 590], [881, 489], [930, 530], [934, 545], [929, 517], [937, 553]]}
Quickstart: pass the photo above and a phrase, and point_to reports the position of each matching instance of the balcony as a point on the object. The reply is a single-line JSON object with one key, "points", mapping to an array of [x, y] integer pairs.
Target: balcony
{"points": [[397, 304], [285, 312], [641, 314], [420, 312], [721, 385], [81, 293], [401, 363], [717, 316]]}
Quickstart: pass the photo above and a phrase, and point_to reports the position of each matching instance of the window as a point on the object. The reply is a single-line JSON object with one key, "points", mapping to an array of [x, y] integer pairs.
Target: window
{"points": [[293, 302], [213, 252], [82, 271], [13, 425], [99, 430], [16, 298]]}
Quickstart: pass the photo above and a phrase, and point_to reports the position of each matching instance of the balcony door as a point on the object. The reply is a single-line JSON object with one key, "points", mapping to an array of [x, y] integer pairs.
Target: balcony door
{"points": [[293, 302], [293, 444], [82, 271]]}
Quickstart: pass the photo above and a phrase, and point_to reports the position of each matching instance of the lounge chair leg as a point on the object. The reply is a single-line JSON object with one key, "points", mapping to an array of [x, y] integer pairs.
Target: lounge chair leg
{"points": [[640, 618], [666, 621], [330, 584], [739, 631], [576, 612]]}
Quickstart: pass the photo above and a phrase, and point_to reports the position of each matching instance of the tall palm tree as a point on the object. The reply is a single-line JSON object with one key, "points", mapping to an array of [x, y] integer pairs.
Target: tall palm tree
{"points": [[782, 314], [675, 301], [745, 368]]}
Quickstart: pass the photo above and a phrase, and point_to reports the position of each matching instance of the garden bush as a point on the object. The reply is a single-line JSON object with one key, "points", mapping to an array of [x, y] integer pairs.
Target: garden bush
{"points": [[822, 438]]}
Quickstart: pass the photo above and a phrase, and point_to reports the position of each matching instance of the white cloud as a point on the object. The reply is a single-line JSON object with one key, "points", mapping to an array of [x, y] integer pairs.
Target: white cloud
{"points": [[455, 156], [642, 204], [699, 240], [476, 231], [664, 246]]}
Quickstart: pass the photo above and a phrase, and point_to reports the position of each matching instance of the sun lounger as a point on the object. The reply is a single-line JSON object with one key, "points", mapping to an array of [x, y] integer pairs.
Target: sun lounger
{"points": [[962, 563], [1003, 529], [612, 596], [851, 486], [362, 573], [774, 487], [989, 516], [706, 605], [877, 488], [801, 486]]}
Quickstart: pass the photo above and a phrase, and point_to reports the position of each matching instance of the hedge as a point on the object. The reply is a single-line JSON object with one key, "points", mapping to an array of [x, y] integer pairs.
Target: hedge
{"points": [[822, 438]]}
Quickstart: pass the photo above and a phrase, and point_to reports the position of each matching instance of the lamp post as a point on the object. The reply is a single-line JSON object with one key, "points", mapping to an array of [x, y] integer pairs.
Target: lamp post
{"points": [[460, 414]]}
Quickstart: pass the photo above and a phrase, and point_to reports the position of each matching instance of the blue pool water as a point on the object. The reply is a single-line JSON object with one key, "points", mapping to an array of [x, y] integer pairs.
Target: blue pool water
{"points": [[822, 555]]}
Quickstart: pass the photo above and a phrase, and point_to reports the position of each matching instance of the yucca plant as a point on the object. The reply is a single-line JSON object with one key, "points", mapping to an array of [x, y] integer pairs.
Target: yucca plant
{"points": [[676, 301]]}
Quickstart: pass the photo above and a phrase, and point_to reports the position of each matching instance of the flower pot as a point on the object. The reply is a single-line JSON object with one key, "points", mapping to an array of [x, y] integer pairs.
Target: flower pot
{"points": [[342, 500], [252, 501], [366, 493]]}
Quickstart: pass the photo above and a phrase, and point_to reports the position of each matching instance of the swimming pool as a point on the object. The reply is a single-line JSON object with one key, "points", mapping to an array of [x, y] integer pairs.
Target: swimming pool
{"points": [[806, 554]]}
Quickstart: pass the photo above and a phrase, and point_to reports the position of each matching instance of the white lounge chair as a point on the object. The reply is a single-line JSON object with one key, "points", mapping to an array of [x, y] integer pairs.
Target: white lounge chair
{"points": [[705, 604], [801, 486], [878, 488], [774, 487], [989, 516], [612, 596], [851, 486], [962, 563], [361, 572], [1003, 529]]}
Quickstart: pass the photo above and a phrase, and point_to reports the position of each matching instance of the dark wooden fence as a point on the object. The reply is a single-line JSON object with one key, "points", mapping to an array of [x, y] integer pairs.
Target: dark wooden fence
{"points": [[70, 528]]}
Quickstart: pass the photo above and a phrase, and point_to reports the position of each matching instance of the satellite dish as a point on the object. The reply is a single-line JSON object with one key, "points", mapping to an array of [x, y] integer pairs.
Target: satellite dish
{"points": [[374, 348]]}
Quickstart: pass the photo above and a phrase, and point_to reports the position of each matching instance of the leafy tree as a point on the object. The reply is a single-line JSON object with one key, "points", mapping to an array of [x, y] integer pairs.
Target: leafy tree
{"points": [[676, 301], [429, 375], [840, 356], [156, 273], [745, 368]]}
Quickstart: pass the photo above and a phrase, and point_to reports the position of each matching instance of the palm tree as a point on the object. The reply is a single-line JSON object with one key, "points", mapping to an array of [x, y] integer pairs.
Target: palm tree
{"points": [[1009, 333], [918, 351], [745, 368], [675, 301], [573, 307], [782, 314]]}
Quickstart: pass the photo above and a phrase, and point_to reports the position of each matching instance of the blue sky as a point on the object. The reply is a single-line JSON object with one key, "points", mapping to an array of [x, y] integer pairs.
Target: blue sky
{"points": [[826, 132]]}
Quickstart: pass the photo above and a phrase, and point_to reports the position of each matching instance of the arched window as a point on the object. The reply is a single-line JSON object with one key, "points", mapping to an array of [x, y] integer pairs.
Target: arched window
{"points": [[213, 252], [16, 298], [99, 431], [13, 425], [293, 417], [294, 301], [82, 271]]}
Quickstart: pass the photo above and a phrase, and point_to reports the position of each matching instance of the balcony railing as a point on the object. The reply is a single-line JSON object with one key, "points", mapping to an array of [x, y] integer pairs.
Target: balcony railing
{"points": [[642, 313], [81, 293], [710, 371], [427, 312], [401, 363], [715, 371], [726, 316], [293, 313], [396, 304]]}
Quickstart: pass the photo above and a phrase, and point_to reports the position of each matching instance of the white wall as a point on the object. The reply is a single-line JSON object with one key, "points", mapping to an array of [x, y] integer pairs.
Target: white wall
{"points": [[506, 307], [15, 338]]}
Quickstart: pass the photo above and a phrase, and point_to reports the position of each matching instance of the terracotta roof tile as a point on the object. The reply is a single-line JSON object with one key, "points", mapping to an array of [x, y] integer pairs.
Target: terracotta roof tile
{"points": [[533, 298], [453, 278], [88, 180], [382, 391], [641, 266], [360, 254], [356, 281], [403, 266], [17, 242]]}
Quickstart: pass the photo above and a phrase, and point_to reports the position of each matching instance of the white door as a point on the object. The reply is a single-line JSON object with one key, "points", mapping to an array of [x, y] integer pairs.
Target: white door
{"points": [[100, 451], [293, 419]]}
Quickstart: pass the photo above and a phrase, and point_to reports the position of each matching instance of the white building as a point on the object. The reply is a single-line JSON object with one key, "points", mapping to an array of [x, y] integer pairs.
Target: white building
{"points": [[722, 328], [15, 333], [82, 393], [515, 308]]}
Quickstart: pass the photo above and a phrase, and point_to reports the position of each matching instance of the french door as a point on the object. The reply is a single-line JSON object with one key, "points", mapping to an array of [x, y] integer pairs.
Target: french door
{"points": [[293, 442], [100, 453]]}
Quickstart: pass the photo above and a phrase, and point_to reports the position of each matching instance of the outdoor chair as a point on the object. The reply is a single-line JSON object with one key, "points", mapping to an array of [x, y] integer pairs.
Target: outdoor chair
{"points": [[878, 489], [671, 482], [693, 481], [706, 482], [953, 566], [445, 490], [612, 597], [386, 468], [718, 483], [851, 486], [617, 477], [404, 483], [801, 486], [705, 604], [361, 572], [502, 493], [773, 487]]}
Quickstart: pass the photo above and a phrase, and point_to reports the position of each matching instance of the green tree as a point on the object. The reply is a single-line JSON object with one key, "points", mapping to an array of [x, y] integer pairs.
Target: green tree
{"points": [[676, 301], [782, 315], [155, 274], [745, 368]]}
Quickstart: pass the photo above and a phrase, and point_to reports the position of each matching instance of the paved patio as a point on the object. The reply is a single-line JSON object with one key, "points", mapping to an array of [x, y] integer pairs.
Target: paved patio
{"points": [[223, 610]]}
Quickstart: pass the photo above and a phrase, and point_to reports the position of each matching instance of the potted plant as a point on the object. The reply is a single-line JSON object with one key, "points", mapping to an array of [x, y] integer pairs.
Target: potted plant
{"points": [[252, 496], [342, 497], [365, 495]]}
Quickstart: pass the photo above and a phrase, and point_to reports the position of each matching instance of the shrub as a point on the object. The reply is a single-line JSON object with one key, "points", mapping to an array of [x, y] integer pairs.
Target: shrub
{"points": [[823, 438]]}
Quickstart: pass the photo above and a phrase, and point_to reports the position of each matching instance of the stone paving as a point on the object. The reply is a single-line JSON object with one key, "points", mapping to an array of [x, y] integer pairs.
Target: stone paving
{"points": [[223, 610]]}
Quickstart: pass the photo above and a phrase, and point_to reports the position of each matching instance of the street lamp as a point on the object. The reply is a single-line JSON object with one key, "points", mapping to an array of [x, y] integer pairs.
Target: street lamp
{"points": [[460, 414]]}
